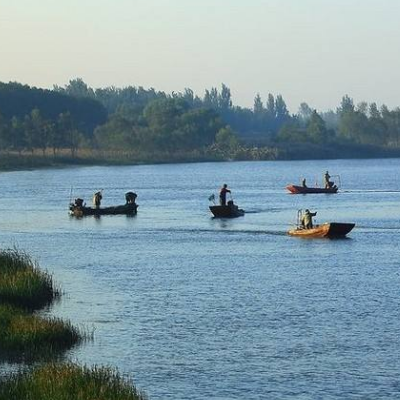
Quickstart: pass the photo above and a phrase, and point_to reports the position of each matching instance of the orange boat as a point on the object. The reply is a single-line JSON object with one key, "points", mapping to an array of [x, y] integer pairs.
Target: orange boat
{"points": [[328, 229]]}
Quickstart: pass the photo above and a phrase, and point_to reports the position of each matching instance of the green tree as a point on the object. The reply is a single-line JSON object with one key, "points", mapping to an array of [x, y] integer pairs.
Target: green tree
{"points": [[72, 136], [40, 130], [346, 105], [270, 107], [117, 133], [225, 98], [258, 107], [305, 112], [292, 132], [5, 134], [77, 88], [316, 129], [197, 128], [18, 134], [353, 126], [226, 139], [362, 107]]}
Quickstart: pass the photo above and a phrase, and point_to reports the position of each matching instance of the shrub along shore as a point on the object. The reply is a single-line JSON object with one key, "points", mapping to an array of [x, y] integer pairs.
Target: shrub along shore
{"points": [[28, 337]]}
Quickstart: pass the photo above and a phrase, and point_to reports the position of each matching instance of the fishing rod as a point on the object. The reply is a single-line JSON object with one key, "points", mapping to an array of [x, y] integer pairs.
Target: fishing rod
{"points": [[70, 196]]}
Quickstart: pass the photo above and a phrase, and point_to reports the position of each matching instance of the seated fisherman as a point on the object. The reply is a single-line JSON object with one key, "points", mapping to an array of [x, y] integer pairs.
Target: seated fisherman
{"points": [[232, 206], [130, 197], [306, 219], [78, 202]]}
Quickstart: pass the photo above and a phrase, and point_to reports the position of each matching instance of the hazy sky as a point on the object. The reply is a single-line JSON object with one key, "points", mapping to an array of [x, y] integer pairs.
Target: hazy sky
{"points": [[307, 50]]}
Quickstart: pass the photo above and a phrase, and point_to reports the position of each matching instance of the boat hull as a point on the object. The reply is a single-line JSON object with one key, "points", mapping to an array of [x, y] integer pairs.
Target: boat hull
{"points": [[304, 190], [126, 209], [226, 211], [329, 229]]}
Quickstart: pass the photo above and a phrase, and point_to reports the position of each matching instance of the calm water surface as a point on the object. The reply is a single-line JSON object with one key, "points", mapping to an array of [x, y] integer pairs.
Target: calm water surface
{"points": [[192, 307]]}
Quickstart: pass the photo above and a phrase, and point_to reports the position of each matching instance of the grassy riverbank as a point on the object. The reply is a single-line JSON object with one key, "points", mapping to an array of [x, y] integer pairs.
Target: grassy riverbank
{"points": [[22, 284], [296, 151], [68, 381], [25, 336], [30, 337]]}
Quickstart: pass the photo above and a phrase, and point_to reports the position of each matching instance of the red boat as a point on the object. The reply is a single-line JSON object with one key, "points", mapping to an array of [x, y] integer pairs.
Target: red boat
{"points": [[305, 189]]}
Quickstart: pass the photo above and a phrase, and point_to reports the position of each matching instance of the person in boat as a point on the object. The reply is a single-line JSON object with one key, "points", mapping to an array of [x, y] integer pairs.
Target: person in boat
{"points": [[97, 197], [222, 194], [233, 206], [78, 203], [306, 219], [303, 183], [328, 183], [130, 198]]}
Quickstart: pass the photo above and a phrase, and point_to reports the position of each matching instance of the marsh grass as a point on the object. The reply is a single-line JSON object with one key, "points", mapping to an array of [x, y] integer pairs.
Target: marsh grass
{"points": [[22, 283], [28, 337], [69, 381]]}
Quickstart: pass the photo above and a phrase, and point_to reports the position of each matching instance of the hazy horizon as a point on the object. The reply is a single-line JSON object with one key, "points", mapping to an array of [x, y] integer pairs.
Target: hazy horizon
{"points": [[313, 51]]}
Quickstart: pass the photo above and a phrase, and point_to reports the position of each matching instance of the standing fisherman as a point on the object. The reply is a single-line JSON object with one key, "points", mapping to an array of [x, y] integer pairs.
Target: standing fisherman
{"points": [[328, 183], [222, 194], [97, 197], [306, 219]]}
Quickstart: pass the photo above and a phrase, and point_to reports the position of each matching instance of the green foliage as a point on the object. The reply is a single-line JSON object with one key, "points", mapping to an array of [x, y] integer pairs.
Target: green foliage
{"points": [[22, 283], [293, 133], [226, 139], [165, 124], [258, 107], [67, 382], [18, 100], [144, 121], [316, 129]]}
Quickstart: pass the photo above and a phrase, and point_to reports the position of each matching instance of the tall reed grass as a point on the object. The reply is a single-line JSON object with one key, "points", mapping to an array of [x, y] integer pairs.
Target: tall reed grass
{"points": [[27, 337], [68, 382], [22, 283]]}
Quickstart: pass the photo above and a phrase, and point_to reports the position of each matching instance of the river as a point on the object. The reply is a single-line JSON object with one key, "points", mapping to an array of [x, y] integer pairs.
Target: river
{"points": [[192, 307]]}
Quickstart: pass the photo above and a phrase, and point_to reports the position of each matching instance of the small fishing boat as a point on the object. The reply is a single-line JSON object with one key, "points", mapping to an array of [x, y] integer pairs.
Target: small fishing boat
{"points": [[125, 209], [328, 229], [328, 186], [79, 209], [305, 189], [228, 211]]}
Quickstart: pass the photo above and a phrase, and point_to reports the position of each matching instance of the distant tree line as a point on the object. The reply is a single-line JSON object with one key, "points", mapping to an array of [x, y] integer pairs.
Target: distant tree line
{"points": [[138, 119]]}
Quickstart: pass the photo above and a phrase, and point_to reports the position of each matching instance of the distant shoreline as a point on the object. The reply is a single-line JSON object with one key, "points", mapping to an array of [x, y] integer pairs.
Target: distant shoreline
{"points": [[31, 161]]}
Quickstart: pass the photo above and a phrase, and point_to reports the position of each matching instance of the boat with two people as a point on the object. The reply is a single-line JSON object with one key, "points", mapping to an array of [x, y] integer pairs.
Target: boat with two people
{"points": [[305, 227], [328, 187], [79, 208], [225, 209]]}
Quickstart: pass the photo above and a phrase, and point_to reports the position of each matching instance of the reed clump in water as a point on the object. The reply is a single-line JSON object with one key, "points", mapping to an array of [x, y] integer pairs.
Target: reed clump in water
{"points": [[22, 283], [28, 336], [68, 381]]}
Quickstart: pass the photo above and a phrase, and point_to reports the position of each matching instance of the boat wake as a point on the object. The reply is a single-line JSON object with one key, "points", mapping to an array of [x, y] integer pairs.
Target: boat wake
{"points": [[370, 191], [217, 231]]}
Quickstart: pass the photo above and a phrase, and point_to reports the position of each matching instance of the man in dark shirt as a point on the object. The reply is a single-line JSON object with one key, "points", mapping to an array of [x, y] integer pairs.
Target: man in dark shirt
{"points": [[222, 194]]}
